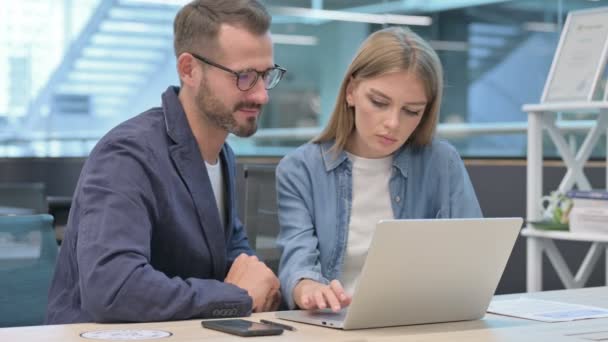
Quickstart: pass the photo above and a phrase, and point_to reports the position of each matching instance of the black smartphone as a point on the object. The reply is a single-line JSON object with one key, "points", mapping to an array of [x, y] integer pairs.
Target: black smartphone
{"points": [[242, 327]]}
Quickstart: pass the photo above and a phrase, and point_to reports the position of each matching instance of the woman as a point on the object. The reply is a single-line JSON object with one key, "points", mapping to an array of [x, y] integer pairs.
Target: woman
{"points": [[376, 159]]}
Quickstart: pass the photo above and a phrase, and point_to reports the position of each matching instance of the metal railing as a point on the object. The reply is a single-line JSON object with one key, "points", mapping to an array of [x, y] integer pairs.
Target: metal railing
{"points": [[38, 141]]}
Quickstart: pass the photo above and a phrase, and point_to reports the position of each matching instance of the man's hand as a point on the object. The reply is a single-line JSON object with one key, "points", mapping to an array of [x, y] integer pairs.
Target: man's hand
{"points": [[309, 294], [273, 301], [252, 275]]}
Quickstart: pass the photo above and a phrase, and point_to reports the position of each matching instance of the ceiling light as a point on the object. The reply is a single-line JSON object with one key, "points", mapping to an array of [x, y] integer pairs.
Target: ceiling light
{"points": [[293, 39], [156, 2], [537, 26], [445, 45], [395, 19]]}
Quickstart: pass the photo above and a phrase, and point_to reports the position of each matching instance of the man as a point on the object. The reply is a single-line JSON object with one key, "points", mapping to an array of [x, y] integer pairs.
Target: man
{"points": [[153, 233]]}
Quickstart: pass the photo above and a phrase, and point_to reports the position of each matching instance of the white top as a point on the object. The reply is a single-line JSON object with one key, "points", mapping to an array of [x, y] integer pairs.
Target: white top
{"points": [[371, 203], [217, 183]]}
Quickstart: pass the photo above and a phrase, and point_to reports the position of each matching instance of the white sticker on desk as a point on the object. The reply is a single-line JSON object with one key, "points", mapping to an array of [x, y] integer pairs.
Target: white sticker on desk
{"points": [[125, 335]]}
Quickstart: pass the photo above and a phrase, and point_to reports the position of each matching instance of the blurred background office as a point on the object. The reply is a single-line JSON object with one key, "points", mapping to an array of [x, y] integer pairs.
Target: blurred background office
{"points": [[72, 69]]}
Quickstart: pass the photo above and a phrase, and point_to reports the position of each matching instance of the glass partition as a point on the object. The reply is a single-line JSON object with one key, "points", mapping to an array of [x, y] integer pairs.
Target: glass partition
{"points": [[91, 64]]}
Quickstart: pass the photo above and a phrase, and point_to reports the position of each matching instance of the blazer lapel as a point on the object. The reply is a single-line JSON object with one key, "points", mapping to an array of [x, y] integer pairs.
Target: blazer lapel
{"points": [[195, 176], [187, 159], [229, 178]]}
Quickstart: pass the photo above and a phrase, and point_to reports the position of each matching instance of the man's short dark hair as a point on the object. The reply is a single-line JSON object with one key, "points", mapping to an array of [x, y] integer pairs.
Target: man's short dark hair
{"points": [[197, 24]]}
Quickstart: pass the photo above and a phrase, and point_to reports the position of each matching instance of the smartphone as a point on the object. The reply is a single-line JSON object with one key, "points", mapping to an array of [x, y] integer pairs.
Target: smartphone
{"points": [[242, 327]]}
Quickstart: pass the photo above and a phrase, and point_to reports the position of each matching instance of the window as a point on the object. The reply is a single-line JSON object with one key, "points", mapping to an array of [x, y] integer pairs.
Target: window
{"points": [[67, 80]]}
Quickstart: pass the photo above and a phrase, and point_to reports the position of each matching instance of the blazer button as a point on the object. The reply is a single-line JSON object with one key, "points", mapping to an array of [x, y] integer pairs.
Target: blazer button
{"points": [[397, 199]]}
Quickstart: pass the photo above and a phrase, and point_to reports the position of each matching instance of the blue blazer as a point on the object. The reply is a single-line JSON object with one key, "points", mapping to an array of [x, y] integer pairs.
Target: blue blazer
{"points": [[144, 240]]}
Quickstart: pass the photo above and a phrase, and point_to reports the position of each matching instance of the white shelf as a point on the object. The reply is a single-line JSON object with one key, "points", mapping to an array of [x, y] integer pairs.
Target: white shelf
{"points": [[563, 235], [594, 106], [542, 118], [581, 85]]}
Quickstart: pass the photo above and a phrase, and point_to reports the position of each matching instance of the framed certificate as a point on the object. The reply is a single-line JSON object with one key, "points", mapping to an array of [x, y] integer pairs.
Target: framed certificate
{"points": [[606, 90], [580, 59]]}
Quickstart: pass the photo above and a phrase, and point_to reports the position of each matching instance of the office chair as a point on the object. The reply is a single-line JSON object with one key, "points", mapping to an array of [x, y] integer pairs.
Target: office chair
{"points": [[23, 198], [260, 212], [28, 252]]}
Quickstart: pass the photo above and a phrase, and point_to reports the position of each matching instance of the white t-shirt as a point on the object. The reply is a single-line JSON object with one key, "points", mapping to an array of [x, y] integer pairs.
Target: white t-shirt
{"points": [[217, 183], [371, 202]]}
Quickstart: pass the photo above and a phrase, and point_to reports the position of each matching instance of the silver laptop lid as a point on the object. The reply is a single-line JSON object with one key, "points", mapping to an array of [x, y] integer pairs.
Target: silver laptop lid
{"points": [[427, 271]]}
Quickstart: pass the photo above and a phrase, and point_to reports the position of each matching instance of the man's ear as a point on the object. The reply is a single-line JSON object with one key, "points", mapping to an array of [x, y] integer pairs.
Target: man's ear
{"points": [[186, 69]]}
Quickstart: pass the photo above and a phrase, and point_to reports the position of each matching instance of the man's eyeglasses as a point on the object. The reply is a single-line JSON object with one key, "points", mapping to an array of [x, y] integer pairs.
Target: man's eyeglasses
{"points": [[245, 80]]}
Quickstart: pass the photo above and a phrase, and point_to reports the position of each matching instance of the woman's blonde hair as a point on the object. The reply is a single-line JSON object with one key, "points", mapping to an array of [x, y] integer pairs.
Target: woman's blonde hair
{"points": [[389, 50]]}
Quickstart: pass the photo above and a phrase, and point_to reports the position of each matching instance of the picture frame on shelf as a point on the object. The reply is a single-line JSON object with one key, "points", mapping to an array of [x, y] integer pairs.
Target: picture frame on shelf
{"points": [[580, 59]]}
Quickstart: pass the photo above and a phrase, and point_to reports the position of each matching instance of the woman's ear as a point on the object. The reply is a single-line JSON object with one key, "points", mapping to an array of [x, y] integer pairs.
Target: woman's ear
{"points": [[186, 70], [350, 90]]}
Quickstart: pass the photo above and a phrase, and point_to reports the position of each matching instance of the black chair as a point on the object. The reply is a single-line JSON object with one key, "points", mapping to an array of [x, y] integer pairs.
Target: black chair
{"points": [[260, 212], [23, 198], [59, 207]]}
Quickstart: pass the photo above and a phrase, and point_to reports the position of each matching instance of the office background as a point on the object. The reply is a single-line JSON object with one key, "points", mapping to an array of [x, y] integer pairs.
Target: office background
{"points": [[72, 69]]}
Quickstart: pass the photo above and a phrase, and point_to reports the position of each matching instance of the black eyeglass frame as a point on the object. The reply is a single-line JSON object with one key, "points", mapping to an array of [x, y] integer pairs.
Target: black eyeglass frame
{"points": [[238, 74]]}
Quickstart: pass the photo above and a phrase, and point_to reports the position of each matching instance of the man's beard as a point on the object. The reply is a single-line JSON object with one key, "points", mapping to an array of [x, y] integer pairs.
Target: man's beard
{"points": [[218, 114]]}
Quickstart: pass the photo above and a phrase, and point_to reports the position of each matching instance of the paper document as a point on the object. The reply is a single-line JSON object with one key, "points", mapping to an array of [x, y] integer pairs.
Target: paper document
{"points": [[544, 310], [592, 336]]}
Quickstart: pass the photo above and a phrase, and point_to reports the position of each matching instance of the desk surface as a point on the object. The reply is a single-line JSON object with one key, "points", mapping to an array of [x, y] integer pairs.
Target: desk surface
{"points": [[491, 328]]}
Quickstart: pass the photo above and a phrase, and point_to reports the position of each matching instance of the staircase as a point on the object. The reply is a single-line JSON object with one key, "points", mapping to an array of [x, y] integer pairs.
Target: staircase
{"points": [[127, 42], [122, 46], [490, 44]]}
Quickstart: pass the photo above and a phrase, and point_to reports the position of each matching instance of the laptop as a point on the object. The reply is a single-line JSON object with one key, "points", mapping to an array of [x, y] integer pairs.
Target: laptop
{"points": [[424, 271]]}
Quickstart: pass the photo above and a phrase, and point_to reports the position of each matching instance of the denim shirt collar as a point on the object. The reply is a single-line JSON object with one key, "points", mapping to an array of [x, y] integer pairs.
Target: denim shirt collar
{"points": [[401, 160], [332, 160]]}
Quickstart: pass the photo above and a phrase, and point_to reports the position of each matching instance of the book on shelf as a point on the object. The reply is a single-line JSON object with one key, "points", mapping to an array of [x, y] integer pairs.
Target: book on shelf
{"points": [[588, 194], [589, 212], [588, 198], [589, 220]]}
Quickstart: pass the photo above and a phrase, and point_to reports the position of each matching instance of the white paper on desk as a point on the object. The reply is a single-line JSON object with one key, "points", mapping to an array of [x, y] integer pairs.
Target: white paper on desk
{"points": [[545, 310]]}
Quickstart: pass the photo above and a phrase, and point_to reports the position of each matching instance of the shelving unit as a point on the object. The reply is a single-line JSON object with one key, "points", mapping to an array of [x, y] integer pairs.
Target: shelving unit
{"points": [[543, 117], [573, 83]]}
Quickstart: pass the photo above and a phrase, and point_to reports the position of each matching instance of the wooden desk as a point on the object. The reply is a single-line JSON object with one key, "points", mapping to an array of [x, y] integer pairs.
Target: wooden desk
{"points": [[491, 328]]}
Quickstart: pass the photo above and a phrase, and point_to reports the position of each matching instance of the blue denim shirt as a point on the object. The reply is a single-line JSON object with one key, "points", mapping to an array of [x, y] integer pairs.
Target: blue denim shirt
{"points": [[314, 194]]}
